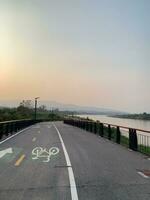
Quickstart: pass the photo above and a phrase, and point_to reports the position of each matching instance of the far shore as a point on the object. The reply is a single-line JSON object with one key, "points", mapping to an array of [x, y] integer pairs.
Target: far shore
{"points": [[143, 116]]}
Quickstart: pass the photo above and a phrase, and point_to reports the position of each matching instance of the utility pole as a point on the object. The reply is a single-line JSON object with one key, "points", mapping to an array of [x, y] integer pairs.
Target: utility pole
{"points": [[35, 113]]}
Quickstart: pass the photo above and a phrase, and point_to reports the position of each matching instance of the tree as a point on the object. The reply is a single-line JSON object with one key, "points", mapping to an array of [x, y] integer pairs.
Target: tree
{"points": [[26, 103], [25, 109], [42, 108]]}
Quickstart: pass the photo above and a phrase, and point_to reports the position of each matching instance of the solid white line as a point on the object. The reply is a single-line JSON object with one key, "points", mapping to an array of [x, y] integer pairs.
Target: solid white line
{"points": [[14, 135], [74, 194], [143, 175]]}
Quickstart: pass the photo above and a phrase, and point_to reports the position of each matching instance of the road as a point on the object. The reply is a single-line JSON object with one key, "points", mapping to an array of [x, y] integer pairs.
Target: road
{"points": [[81, 166]]}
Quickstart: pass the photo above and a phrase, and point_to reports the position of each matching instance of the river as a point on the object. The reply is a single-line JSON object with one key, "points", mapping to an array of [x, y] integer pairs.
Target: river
{"points": [[132, 123]]}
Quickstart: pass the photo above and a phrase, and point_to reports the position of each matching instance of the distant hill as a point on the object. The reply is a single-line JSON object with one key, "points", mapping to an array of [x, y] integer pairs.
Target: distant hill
{"points": [[67, 107], [81, 109]]}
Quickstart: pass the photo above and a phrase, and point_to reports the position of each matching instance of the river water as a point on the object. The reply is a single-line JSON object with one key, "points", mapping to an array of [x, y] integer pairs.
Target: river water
{"points": [[132, 123]]}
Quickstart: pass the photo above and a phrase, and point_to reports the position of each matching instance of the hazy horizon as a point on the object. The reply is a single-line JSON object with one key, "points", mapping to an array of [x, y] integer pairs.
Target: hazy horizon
{"points": [[52, 104], [11, 103], [92, 53]]}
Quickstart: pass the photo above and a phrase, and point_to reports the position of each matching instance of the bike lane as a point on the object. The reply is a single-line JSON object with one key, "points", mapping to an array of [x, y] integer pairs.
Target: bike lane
{"points": [[37, 168]]}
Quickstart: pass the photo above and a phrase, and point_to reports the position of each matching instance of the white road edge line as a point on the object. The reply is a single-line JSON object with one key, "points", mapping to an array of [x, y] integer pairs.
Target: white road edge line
{"points": [[15, 135], [74, 194], [143, 175]]}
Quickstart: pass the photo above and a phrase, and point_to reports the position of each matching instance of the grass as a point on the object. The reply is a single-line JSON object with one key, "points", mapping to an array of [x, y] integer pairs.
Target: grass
{"points": [[124, 140], [144, 149]]}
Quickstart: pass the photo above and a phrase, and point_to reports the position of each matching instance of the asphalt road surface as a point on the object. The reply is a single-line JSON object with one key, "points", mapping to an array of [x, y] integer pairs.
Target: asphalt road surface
{"points": [[54, 161]]}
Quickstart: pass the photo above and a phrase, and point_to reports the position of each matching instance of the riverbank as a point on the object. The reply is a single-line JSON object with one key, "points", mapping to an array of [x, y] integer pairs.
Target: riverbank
{"points": [[143, 116]]}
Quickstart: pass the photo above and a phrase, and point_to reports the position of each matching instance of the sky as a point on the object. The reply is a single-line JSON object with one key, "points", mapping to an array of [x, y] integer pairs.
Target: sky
{"points": [[93, 53]]}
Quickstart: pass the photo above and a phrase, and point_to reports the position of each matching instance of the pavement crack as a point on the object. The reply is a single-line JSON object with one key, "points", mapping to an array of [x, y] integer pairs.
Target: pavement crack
{"points": [[62, 166], [34, 188]]}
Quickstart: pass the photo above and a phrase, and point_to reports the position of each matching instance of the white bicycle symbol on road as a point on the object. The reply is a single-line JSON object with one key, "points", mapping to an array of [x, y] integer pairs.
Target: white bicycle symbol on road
{"points": [[40, 152]]}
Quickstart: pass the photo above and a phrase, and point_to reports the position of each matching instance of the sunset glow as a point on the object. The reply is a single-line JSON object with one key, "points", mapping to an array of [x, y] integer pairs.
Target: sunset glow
{"points": [[81, 52]]}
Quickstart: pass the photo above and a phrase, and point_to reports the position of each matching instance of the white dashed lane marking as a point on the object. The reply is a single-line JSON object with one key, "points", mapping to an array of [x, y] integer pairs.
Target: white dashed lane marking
{"points": [[34, 139]]}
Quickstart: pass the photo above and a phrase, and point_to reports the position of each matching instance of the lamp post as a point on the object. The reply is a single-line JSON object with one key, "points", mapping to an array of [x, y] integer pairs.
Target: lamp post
{"points": [[36, 107]]}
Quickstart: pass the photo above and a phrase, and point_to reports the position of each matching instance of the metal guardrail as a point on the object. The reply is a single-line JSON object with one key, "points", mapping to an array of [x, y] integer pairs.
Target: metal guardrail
{"points": [[10, 127], [135, 139]]}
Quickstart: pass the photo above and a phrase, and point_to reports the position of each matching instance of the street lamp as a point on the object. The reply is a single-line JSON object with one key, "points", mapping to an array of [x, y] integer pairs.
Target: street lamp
{"points": [[36, 106]]}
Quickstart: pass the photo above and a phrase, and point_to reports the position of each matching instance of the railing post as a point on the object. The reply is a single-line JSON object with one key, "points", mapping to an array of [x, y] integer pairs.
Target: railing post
{"points": [[6, 129], [1, 131], [109, 132], [91, 126], [101, 130], [84, 125], [98, 127], [11, 128], [80, 126], [15, 126], [118, 135], [75, 122], [133, 142], [95, 127]]}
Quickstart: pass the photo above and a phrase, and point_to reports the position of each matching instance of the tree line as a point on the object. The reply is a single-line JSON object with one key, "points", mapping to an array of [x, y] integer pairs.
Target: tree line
{"points": [[25, 110]]}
